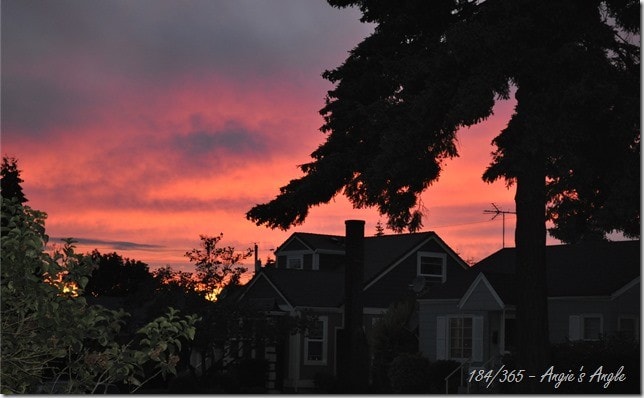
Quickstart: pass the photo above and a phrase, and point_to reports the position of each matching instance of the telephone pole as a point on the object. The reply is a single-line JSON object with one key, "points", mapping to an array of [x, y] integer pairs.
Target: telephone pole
{"points": [[496, 212]]}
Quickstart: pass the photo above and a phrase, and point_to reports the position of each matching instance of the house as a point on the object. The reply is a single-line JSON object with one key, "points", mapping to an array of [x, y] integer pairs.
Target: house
{"points": [[313, 273], [593, 290]]}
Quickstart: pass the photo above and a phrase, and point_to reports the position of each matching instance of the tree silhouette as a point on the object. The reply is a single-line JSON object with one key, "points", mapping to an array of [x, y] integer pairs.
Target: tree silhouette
{"points": [[114, 275], [217, 267], [432, 67], [10, 182], [10, 188]]}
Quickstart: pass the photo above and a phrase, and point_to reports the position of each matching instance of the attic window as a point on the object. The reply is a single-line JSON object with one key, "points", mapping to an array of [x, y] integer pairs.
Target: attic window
{"points": [[294, 262], [431, 266]]}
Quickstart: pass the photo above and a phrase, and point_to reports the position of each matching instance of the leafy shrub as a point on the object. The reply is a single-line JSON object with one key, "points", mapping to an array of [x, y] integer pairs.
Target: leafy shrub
{"points": [[408, 374]]}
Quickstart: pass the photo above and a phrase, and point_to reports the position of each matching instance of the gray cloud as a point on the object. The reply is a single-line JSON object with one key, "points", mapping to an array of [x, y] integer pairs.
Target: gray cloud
{"points": [[233, 139], [55, 53], [118, 245]]}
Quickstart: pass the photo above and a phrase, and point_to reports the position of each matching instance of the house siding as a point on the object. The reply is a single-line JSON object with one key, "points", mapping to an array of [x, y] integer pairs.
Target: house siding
{"points": [[427, 325], [481, 299], [560, 310], [307, 371]]}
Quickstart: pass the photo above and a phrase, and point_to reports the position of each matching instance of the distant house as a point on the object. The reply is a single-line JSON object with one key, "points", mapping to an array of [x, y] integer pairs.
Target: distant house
{"points": [[593, 291], [310, 275]]}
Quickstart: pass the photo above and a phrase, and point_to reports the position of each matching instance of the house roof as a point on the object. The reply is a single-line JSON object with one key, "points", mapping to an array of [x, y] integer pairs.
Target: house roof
{"points": [[308, 288], [326, 288], [578, 270], [380, 251], [316, 241]]}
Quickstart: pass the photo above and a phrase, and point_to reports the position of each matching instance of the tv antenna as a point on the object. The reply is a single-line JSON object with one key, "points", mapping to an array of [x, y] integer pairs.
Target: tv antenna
{"points": [[496, 212]]}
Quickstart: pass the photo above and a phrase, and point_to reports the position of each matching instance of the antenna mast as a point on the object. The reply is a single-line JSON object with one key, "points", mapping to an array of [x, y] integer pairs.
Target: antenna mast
{"points": [[496, 212]]}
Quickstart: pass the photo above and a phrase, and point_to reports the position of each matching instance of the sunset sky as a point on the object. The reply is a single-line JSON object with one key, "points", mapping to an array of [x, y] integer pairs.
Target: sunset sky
{"points": [[139, 125]]}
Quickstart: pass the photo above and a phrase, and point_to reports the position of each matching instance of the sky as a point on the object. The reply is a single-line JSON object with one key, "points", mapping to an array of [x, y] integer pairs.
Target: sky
{"points": [[140, 124]]}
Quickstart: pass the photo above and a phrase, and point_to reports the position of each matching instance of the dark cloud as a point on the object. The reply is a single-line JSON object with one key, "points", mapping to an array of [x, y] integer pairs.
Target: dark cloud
{"points": [[117, 245], [161, 37], [56, 53], [232, 139]]}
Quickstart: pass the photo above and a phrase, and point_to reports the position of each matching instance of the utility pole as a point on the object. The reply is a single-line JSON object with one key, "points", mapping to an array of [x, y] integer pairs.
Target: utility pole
{"points": [[496, 212]]}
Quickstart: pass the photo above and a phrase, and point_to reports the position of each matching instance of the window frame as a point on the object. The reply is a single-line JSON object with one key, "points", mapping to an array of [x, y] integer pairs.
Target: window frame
{"points": [[582, 326], [324, 340], [635, 319], [449, 337], [298, 257], [442, 277]]}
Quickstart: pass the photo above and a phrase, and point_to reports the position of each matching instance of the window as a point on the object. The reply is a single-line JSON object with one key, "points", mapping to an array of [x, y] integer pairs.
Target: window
{"points": [[432, 266], [627, 327], [585, 327], [294, 262], [592, 327], [460, 338], [315, 343]]}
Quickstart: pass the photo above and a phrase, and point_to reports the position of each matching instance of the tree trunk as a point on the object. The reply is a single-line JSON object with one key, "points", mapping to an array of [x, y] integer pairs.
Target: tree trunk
{"points": [[532, 307]]}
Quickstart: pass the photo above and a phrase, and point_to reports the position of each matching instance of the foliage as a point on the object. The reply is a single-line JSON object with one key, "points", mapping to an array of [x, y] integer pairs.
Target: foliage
{"points": [[114, 275], [52, 341], [390, 339], [611, 353], [408, 374], [217, 267], [432, 67], [438, 371], [10, 183]]}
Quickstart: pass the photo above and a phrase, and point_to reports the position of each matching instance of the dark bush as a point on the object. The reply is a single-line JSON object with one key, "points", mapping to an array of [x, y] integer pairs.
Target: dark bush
{"points": [[409, 374], [609, 353], [326, 383], [252, 375], [438, 371]]}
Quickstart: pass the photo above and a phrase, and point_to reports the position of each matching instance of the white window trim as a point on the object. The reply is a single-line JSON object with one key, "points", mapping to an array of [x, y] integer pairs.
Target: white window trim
{"points": [[576, 327], [442, 256], [299, 257], [448, 337], [325, 342], [443, 343], [601, 325]]}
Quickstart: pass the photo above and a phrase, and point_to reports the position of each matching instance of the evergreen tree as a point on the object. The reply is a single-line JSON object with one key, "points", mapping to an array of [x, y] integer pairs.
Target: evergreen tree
{"points": [[432, 67], [10, 182]]}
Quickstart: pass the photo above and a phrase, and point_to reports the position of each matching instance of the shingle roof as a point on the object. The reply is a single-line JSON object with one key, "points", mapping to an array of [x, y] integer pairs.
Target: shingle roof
{"points": [[382, 251], [584, 269], [587, 269], [318, 241], [326, 288], [309, 288]]}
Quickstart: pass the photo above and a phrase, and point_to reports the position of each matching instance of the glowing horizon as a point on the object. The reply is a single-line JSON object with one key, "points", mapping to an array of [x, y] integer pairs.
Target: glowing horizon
{"points": [[136, 139]]}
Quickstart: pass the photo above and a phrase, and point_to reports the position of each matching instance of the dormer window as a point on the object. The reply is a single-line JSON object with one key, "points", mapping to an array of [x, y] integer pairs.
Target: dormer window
{"points": [[294, 262], [432, 267]]}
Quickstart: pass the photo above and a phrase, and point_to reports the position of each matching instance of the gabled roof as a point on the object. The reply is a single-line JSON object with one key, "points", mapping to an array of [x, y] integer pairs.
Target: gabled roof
{"points": [[307, 288], [326, 288], [583, 269], [598, 269], [315, 242], [380, 251]]}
